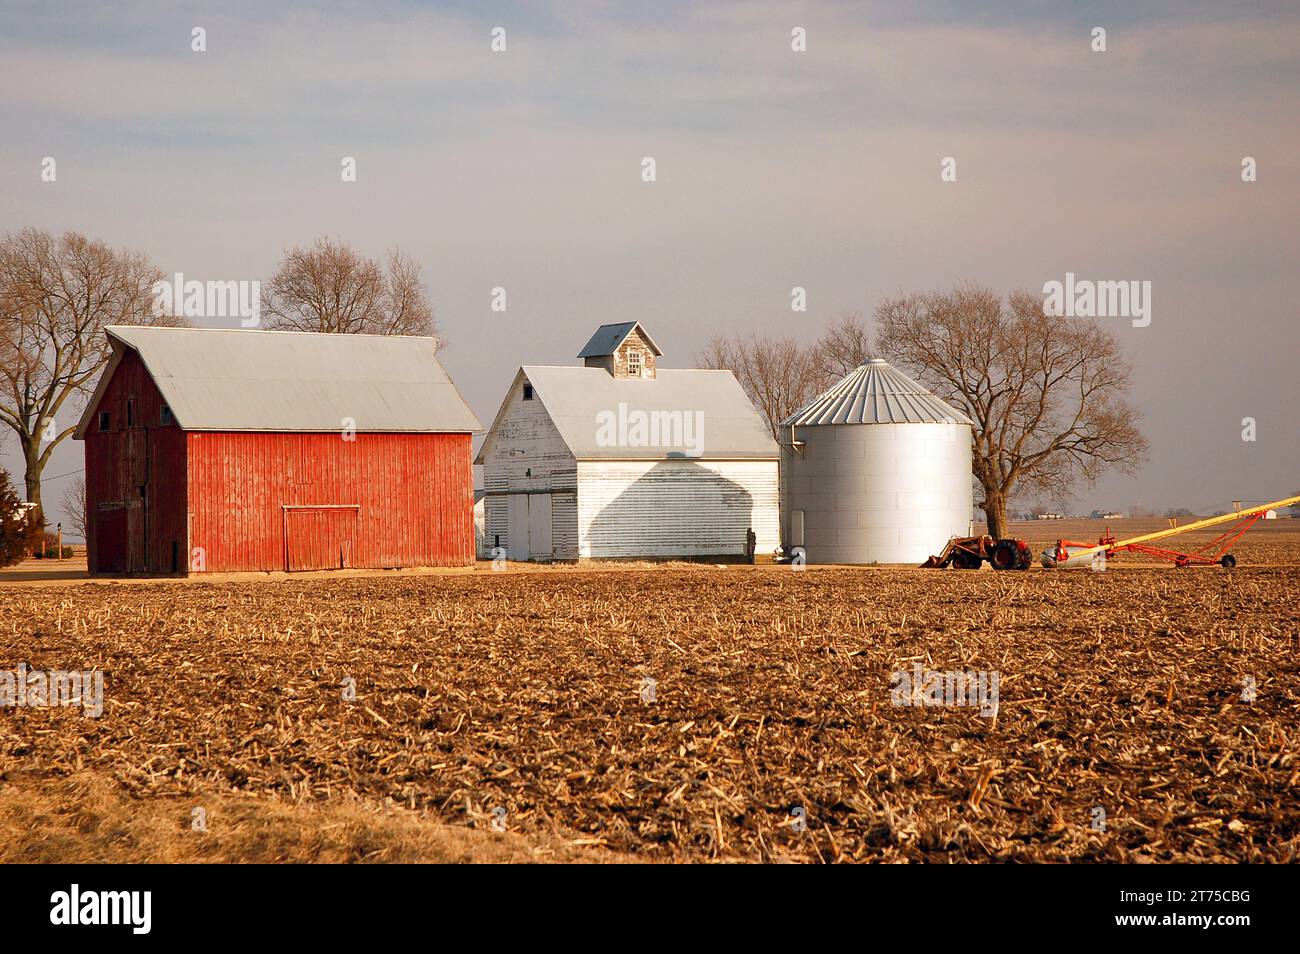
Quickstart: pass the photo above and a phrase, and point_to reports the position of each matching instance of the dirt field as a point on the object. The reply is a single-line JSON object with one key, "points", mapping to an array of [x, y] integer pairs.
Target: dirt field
{"points": [[521, 700]]}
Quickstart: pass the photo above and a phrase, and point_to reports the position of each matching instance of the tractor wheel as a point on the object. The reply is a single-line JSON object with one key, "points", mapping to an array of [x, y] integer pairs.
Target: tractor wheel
{"points": [[1005, 555], [1228, 561], [965, 561]]}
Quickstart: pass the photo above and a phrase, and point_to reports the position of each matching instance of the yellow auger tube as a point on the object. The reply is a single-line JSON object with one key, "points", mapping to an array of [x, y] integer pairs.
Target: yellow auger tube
{"points": [[1208, 522], [1083, 556]]}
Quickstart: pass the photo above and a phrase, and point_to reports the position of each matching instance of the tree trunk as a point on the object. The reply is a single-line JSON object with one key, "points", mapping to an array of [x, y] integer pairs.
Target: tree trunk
{"points": [[995, 511], [32, 472]]}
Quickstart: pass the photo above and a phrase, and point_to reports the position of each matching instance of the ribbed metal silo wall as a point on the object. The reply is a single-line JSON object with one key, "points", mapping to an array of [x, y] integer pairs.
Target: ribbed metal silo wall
{"points": [[881, 493]]}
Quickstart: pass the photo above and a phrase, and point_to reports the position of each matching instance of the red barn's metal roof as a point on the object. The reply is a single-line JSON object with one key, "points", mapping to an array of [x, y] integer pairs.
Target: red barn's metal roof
{"points": [[243, 380]]}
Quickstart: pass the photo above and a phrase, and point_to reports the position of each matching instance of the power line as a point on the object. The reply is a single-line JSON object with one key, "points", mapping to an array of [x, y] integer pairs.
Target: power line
{"points": [[68, 474]]}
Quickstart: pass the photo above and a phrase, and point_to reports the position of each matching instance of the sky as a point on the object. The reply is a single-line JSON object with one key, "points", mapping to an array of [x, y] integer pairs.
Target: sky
{"points": [[775, 168]]}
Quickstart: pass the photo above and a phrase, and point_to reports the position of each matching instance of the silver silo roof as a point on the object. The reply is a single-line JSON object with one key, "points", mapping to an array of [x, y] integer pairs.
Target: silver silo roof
{"points": [[876, 393]]}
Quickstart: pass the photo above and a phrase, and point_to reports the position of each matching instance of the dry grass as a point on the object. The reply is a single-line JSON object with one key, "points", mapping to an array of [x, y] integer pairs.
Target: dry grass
{"points": [[521, 691], [84, 818]]}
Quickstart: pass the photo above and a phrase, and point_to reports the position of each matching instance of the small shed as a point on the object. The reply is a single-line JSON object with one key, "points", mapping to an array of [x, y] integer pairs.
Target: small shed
{"points": [[221, 450], [878, 470], [623, 459]]}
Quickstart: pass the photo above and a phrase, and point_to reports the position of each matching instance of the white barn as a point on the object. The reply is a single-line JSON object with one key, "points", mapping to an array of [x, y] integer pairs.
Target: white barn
{"points": [[619, 459]]}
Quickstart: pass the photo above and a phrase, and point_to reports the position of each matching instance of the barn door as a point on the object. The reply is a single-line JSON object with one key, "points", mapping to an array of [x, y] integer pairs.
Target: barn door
{"points": [[517, 527], [137, 523], [539, 526], [320, 538], [110, 541]]}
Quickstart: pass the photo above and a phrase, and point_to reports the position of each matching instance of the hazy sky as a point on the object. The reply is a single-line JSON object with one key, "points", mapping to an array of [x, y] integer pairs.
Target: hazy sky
{"points": [[775, 168]]}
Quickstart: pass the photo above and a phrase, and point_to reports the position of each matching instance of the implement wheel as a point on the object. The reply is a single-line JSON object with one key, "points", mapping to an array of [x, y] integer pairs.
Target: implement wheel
{"points": [[1005, 556], [1228, 561]]}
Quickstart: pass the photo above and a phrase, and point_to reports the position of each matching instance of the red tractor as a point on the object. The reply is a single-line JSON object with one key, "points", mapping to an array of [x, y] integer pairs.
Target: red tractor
{"points": [[967, 553]]}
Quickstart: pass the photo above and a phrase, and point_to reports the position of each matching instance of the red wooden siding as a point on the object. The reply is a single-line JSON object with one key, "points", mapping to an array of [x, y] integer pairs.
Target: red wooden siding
{"points": [[256, 500], [135, 479], [320, 538], [266, 501]]}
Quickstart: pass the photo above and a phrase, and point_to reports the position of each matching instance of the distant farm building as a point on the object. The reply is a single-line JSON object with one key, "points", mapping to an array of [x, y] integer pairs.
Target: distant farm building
{"points": [[481, 549], [878, 470], [220, 450], [622, 459]]}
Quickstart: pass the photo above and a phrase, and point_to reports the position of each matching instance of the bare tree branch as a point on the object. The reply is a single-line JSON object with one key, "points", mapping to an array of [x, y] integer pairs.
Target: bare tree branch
{"points": [[74, 506], [844, 347], [775, 373], [56, 296], [332, 288], [1047, 394]]}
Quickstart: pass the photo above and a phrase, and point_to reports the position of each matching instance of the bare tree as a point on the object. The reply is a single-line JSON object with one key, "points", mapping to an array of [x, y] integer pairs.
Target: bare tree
{"points": [[74, 506], [1047, 394], [331, 287], [776, 373], [56, 296], [844, 347]]}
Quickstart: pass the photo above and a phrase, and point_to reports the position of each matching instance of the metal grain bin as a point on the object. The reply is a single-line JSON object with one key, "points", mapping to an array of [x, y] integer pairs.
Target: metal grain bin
{"points": [[876, 470]]}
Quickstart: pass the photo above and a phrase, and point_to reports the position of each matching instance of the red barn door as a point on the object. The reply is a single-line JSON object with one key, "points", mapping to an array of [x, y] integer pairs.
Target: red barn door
{"points": [[320, 538], [110, 541]]}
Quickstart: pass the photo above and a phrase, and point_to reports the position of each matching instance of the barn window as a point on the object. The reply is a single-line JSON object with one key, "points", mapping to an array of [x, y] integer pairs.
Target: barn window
{"points": [[634, 364], [104, 421], [130, 412], [528, 392], [165, 415]]}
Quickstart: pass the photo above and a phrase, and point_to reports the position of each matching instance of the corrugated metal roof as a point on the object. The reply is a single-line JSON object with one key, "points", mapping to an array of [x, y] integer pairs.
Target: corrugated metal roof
{"points": [[608, 337], [876, 393], [573, 397], [236, 380]]}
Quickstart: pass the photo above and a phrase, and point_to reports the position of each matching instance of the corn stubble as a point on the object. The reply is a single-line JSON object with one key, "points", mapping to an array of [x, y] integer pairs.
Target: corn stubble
{"points": [[526, 692]]}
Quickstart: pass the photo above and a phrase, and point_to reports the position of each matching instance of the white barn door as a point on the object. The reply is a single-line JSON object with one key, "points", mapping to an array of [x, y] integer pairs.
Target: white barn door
{"points": [[539, 526], [528, 527], [517, 527]]}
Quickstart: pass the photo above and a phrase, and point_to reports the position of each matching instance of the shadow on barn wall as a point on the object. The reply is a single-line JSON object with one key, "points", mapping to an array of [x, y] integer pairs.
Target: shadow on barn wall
{"points": [[677, 510]]}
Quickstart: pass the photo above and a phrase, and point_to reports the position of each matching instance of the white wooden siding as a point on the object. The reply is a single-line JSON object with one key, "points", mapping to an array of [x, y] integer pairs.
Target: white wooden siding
{"points": [[526, 452], [564, 523], [676, 507]]}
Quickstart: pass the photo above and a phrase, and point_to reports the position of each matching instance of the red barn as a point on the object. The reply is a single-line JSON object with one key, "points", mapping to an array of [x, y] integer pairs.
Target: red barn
{"points": [[217, 450]]}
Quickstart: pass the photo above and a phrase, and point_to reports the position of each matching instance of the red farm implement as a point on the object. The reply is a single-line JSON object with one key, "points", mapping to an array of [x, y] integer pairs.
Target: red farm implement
{"points": [[1069, 554]]}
